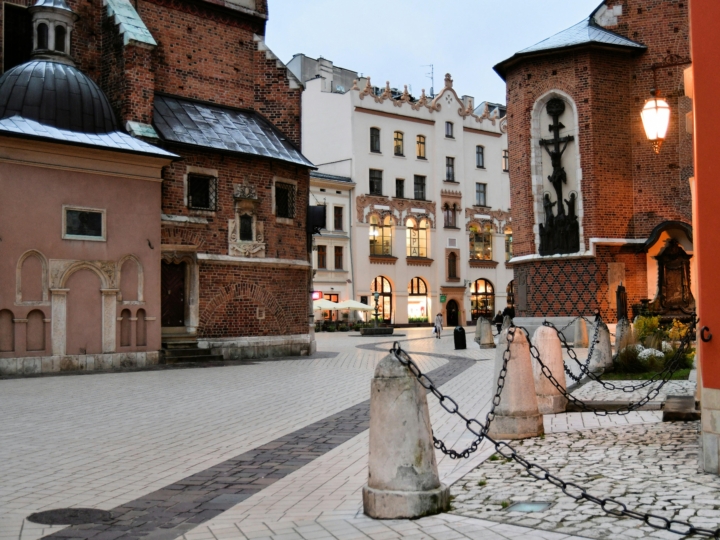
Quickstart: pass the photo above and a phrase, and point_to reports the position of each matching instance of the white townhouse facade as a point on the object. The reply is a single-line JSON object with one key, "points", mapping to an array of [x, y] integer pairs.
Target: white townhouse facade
{"points": [[424, 191]]}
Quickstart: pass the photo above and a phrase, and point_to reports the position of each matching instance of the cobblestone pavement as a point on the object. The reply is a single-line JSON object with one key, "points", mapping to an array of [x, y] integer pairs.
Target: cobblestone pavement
{"points": [[651, 467], [130, 440], [594, 391]]}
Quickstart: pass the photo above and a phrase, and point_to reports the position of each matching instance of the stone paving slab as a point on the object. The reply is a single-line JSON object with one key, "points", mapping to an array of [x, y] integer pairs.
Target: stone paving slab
{"points": [[650, 467]]}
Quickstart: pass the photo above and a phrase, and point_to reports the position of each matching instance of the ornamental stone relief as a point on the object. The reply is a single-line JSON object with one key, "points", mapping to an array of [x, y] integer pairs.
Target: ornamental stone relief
{"points": [[398, 209]]}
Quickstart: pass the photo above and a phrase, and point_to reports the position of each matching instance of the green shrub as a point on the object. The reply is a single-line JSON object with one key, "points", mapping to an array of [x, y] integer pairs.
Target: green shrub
{"points": [[645, 326]]}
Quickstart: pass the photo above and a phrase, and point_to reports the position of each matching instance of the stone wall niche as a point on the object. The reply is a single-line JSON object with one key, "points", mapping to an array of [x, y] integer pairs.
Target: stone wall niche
{"points": [[246, 233]]}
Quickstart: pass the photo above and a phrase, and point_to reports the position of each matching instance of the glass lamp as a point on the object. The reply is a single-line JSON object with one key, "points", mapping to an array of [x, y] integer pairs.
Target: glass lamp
{"points": [[656, 118]]}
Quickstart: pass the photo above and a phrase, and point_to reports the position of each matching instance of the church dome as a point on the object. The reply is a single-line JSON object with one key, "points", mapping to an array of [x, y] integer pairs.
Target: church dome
{"points": [[57, 95]]}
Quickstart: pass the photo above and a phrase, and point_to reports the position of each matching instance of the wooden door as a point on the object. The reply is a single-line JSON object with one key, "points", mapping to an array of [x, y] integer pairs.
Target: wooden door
{"points": [[173, 294], [452, 313]]}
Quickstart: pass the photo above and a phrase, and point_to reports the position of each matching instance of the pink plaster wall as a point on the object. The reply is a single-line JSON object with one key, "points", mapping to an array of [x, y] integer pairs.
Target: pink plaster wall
{"points": [[31, 210]]}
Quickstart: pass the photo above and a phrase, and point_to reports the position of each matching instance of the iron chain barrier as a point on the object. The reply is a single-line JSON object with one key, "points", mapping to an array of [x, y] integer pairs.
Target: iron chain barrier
{"points": [[609, 505]]}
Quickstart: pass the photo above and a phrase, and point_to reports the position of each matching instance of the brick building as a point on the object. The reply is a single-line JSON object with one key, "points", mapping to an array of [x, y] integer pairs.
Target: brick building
{"points": [[195, 79], [593, 205]]}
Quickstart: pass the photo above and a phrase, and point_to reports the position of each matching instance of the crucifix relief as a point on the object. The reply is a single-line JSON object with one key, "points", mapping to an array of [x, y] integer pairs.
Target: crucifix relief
{"points": [[560, 233]]}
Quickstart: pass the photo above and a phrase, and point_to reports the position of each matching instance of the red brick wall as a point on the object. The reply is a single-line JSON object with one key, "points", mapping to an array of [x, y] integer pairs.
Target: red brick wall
{"points": [[626, 188], [231, 295], [283, 241], [572, 287]]}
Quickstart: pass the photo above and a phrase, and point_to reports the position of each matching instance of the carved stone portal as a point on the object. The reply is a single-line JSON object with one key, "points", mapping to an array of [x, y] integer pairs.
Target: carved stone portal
{"points": [[674, 299], [560, 233]]}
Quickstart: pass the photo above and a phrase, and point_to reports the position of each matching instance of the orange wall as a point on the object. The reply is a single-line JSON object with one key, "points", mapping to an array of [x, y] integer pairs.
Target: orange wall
{"points": [[705, 46]]}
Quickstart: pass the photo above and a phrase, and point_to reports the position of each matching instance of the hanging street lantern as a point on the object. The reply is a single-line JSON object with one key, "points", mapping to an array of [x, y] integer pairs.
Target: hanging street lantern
{"points": [[656, 118]]}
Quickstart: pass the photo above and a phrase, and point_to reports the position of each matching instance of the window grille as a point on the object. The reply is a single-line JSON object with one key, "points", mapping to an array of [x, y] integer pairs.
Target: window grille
{"points": [[284, 200], [202, 192]]}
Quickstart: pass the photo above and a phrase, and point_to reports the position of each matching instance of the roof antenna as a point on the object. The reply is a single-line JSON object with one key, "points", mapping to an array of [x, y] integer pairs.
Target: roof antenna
{"points": [[431, 76]]}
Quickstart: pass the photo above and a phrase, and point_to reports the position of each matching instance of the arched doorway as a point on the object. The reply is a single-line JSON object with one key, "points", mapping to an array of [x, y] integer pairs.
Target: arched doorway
{"points": [[482, 299], [418, 301], [452, 313], [385, 305]]}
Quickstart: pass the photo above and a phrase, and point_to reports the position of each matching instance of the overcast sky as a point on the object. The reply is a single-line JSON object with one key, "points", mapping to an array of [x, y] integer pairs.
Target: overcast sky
{"points": [[393, 40]]}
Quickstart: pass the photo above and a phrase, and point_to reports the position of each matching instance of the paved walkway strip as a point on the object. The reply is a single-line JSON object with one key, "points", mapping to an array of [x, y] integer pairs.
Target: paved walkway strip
{"points": [[179, 507]]}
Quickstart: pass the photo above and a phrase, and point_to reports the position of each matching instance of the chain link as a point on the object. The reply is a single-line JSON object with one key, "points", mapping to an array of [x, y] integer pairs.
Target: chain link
{"points": [[609, 505]]}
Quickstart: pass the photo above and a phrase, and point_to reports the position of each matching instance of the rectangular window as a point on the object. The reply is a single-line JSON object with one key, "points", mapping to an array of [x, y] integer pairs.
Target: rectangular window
{"points": [[338, 258], [375, 140], [449, 169], [419, 188], [338, 215], [506, 161], [83, 224], [322, 256], [284, 200], [375, 182], [480, 157], [202, 192], [449, 130], [399, 144], [421, 147], [399, 188], [481, 194]]}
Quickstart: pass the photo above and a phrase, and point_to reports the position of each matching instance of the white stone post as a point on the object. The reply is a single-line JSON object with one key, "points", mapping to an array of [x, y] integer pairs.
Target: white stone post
{"points": [[517, 416], [602, 354], [581, 334], [547, 342], [483, 334], [403, 480]]}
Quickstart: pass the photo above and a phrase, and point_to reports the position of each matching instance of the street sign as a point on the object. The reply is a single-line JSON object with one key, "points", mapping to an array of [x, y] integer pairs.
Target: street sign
{"points": [[443, 298]]}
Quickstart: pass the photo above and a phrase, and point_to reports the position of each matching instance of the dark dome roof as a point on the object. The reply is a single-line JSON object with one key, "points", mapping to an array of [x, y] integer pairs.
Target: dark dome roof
{"points": [[57, 95]]}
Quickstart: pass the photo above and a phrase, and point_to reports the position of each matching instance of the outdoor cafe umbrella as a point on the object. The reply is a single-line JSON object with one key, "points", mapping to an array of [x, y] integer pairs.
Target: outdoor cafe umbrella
{"points": [[354, 305], [322, 305]]}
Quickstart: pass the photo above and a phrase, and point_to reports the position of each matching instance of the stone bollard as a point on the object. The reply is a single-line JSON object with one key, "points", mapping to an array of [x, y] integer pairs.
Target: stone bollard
{"points": [[549, 398], [507, 321], [483, 334], [403, 480], [581, 334], [602, 354], [623, 335], [517, 416]]}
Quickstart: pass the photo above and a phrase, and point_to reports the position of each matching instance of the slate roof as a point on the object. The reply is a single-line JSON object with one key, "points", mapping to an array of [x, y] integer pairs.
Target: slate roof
{"points": [[336, 178], [222, 128], [114, 140], [586, 32]]}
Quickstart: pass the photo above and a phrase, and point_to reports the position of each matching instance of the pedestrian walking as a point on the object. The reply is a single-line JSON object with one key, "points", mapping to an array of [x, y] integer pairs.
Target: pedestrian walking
{"points": [[438, 325], [498, 320]]}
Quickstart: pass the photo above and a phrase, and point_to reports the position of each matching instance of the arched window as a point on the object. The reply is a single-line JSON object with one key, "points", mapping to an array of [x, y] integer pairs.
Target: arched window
{"points": [[452, 266], [482, 299], [60, 38], [418, 308], [42, 36], [481, 243], [421, 147], [508, 244], [381, 285], [375, 140], [449, 213], [399, 144], [417, 238], [380, 236]]}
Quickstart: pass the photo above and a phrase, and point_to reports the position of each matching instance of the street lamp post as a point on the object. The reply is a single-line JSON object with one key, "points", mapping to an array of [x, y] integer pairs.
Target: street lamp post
{"points": [[376, 295]]}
